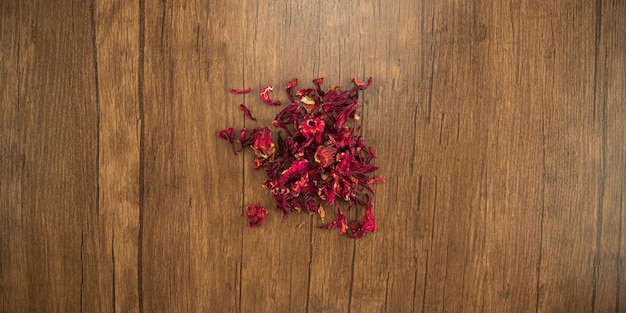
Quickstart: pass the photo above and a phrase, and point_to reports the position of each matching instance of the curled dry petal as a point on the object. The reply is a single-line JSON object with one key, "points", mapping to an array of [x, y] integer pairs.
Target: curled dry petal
{"points": [[246, 112], [297, 168], [325, 155], [289, 87], [361, 85], [318, 85], [312, 127], [228, 134], [340, 222], [265, 96], [263, 145], [255, 214], [321, 212], [369, 223]]}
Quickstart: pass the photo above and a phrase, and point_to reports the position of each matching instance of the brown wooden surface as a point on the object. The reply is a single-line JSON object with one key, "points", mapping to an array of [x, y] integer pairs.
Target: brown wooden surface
{"points": [[500, 128]]}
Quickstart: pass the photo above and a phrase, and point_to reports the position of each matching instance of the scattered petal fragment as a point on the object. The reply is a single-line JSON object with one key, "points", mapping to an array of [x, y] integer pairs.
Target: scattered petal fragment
{"points": [[246, 111], [256, 214], [265, 96], [239, 92]]}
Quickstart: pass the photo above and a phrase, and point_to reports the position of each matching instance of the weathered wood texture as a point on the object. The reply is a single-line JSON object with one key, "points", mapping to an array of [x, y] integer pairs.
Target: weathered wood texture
{"points": [[500, 128]]}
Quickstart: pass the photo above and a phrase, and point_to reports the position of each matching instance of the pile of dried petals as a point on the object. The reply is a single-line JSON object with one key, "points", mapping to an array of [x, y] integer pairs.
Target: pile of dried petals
{"points": [[320, 160]]}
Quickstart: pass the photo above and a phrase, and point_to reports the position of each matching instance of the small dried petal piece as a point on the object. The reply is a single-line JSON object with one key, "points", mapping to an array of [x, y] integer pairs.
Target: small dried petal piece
{"points": [[246, 111], [256, 214], [340, 222], [289, 87], [228, 134], [369, 223], [297, 168], [265, 96], [325, 155], [361, 85], [239, 92], [262, 143], [318, 85], [312, 127]]}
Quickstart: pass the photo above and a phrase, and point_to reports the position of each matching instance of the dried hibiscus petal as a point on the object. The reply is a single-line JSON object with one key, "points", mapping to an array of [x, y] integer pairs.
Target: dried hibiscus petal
{"points": [[256, 214], [228, 134], [325, 155], [312, 128], [360, 84], [246, 111], [340, 222], [265, 96], [320, 161], [289, 87], [262, 143], [239, 92]]}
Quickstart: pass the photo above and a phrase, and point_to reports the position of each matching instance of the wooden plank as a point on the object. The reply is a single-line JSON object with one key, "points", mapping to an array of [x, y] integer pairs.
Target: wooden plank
{"points": [[277, 47], [52, 152], [13, 249], [215, 175], [514, 158], [111, 244], [191, 241], [385, 262], [341, 48], [610, 104], [570, 182]]}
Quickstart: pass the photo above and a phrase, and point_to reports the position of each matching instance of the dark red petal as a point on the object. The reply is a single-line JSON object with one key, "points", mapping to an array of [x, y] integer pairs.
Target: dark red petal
{"points": [[265, 96], [289, 87], [255, 214], [357, 234], [228, 134], [239, 92], [242, 134], [369, 223], [340, 222], [318, 86], [297, 168], [262, 143], [360, 84], [246, 111]]}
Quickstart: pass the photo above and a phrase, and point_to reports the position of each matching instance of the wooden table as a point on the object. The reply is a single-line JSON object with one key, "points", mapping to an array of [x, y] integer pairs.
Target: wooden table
{"points": [[500, 128]]}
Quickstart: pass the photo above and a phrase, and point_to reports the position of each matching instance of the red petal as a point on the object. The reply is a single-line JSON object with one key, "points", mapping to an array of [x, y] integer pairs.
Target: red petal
{"points": [[369, 223], [228, 134], [239, 92], [340, 222], [265, 96], [360, 84], [289, 87], [297, 168], [255, 214], [246, 111], [318, 86]]}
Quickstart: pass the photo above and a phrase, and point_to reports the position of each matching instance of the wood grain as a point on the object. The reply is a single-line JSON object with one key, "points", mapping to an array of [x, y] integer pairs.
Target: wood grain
{"points": [[500, 129]]}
